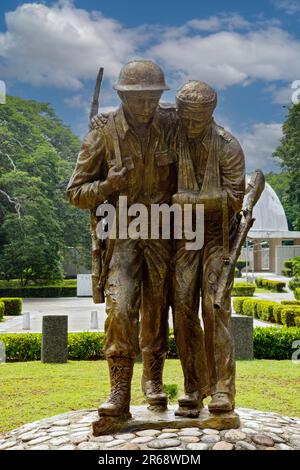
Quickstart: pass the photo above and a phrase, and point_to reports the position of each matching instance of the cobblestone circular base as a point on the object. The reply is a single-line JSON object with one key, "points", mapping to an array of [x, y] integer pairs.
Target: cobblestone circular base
{"points": [[72, 431]]}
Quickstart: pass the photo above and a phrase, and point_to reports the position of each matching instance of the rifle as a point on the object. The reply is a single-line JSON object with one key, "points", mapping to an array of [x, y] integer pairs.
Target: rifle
{"points": [[254, 189], [98, 292]]}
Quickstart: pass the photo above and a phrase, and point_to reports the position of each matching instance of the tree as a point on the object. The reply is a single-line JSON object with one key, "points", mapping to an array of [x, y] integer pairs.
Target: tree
{"points": [[289, 154], [37, 155]]}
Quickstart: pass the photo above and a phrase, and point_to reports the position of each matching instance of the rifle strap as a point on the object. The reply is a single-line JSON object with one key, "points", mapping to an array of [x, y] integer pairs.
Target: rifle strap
{"points": [[116, 144], [225, 226]]}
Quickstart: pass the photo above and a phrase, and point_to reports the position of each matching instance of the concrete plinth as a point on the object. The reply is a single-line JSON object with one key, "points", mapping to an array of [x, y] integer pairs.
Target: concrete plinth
{"points": [[142, 419]]}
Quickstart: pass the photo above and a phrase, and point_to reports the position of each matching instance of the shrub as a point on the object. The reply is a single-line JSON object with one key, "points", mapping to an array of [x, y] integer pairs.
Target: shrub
{"points": [[294, 283], [290, 302], [2, 308], [277, 313], [85, 346], [171, 390], [274, 286], [243, 289], [241, 264], [40, 291], [274, 343], [253, 307], [22, 347], [288, 268], [238, 304], [297, 321], [269, 343], [297, 293], [172, 353], [258, 281], [288, 315], [12, 305], [267, 310], [249, 307]]}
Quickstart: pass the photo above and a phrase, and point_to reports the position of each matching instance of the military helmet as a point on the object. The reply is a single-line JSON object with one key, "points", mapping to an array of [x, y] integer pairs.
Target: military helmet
{"points": [[141, 75], [197, 94]]}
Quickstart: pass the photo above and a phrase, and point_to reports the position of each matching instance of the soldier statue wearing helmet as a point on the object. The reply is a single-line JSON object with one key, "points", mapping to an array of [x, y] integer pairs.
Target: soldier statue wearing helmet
{"points": [[127, 154]]}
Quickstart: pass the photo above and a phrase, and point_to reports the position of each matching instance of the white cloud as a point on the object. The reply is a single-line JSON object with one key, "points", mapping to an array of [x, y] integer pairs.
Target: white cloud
{"points": [[288, 6], [280, 95], [62, 45], [76, 101], [227, 58], [259, 144]]}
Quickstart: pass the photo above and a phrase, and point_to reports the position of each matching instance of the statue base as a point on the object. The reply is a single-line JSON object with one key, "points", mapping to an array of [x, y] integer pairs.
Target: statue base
{"points": [[143, 418]]}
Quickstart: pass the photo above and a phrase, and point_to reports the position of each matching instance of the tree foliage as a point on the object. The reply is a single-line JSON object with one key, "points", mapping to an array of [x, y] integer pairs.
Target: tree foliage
{"points": [[289, 154], [37, 224]]}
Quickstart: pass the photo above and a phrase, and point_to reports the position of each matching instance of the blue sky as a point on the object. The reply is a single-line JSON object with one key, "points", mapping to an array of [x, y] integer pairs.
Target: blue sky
{"points": [[249, 51]]}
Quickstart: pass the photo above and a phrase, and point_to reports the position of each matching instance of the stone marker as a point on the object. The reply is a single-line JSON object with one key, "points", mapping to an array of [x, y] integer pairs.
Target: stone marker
{"points": [[55, 339], [242, 329], [26, 321], [94, 320], [2, 352]]}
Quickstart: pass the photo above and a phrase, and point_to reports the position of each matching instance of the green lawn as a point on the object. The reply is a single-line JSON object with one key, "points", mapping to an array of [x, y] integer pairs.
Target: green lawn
{"points": [[31, 391]]}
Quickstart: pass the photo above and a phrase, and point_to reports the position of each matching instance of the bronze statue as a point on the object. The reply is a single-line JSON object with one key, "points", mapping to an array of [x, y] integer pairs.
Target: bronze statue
{"points": [[128, 155], [154, 155], [211, 171]]}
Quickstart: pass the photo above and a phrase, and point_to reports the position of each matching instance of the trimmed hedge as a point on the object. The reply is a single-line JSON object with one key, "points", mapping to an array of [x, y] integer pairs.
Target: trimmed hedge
{"points": [[274, 343], [274, 286], [238, 304], [12, 305], [245, 289], [297, 293], [2, 308], [269, 343], [288, 315], [277, 313], [267, 310], [39, 291], [294, 283], [290, 302]]}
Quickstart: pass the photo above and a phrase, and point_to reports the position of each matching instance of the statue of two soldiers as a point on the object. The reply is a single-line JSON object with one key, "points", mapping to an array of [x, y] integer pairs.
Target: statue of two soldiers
{"points": [[160, 155]]}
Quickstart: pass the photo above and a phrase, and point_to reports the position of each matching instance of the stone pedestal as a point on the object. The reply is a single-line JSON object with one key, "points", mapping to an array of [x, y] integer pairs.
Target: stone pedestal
{"points": [[55, 339], [242, 330], [143, 418]]}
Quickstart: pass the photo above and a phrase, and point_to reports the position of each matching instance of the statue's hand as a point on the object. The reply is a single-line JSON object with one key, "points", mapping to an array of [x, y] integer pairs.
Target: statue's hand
{"points": [[116, 180]]}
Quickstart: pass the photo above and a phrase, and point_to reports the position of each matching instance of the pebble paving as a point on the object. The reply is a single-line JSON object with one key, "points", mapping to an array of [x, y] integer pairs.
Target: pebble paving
{"points": [[72, 431]]}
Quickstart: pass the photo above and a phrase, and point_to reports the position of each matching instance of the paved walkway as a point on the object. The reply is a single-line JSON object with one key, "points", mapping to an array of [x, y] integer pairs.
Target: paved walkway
{"points": [[79, 311], [73, 431]]}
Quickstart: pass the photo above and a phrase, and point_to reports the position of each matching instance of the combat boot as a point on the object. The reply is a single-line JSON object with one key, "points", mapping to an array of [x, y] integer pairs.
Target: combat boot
{"points": [[189, 405], [221, 402], [117, 405], [152, 380]]}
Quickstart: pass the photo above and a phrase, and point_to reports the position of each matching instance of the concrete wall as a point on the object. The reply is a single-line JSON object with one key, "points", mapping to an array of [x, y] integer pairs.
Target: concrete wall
{"points": [[283, 253]]}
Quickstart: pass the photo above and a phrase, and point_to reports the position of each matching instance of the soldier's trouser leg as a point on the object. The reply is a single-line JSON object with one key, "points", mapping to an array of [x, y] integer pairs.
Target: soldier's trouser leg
{"points": [[123, 295], [154, 319], [219, 342], [187, 329]]}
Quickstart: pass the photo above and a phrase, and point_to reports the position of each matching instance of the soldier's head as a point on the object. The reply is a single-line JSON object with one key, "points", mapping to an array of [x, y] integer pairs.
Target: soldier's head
{"points": [[196, 102], [140, 86]]}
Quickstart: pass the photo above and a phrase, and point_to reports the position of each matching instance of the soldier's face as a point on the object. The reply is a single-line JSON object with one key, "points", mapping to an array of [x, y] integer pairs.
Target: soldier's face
{"points": [[194, 123], [140, 105]]}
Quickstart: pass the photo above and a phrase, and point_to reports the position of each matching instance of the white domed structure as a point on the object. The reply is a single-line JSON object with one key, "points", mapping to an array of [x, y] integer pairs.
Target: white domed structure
{"points": [[269, 213], [271, 226]]}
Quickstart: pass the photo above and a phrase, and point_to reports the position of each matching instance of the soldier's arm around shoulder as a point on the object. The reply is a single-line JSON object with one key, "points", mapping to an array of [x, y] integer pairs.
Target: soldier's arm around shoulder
{"points": [[87, 187], [232, 165]]}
